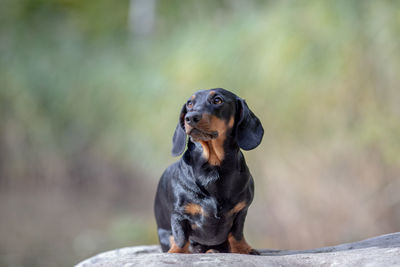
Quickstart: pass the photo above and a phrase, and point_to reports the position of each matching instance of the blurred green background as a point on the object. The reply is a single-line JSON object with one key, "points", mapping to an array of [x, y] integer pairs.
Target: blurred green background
{"points": [[90, 93]]}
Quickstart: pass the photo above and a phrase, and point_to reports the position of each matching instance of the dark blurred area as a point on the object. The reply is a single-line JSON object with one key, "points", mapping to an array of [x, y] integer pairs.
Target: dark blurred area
{"points": [[90, 93]]}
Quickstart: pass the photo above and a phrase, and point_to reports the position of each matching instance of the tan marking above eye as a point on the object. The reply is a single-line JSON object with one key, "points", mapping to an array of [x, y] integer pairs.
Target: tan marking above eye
{"points": [[212, 93]]}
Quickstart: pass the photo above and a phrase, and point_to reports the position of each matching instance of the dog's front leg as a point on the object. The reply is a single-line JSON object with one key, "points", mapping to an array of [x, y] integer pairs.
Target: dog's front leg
{"points": [[237, 242], [179, 240]]}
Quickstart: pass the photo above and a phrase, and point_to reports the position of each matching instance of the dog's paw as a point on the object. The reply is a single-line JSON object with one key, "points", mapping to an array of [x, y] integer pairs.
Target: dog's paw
{"points": [[176, 249], [246, 250], [240, 246], [254, 252], [212, 251]]}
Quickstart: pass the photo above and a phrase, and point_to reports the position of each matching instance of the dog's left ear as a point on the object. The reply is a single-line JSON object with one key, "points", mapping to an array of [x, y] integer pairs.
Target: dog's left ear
{"points": [[249, 131], [179, 138]]}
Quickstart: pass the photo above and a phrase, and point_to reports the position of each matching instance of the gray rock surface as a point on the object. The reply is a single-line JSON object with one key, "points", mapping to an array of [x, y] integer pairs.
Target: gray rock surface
{"points": [[378, 251]]}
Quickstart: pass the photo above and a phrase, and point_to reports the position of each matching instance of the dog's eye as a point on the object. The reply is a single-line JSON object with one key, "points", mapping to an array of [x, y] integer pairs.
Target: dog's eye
{"points": [[189, 104], [217, 100]]}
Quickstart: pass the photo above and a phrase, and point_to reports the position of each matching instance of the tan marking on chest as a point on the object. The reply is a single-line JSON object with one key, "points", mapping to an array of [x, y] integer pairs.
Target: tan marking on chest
{"points": [[238, 207], [194, 209]]}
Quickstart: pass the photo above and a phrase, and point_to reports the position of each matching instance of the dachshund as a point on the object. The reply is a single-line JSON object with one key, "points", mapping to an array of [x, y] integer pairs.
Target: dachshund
{"points": [[202, 199]]}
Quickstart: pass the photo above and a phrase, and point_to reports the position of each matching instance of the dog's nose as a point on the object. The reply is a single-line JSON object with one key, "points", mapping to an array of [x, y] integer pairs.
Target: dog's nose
{"points": [[193, 118]]}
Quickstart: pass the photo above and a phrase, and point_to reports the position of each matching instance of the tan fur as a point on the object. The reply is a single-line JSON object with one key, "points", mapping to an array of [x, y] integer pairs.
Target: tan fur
{"points": [[213, 150], [238, 246], [231, 122], [174, 247], [188, 128], [238, 207], [194, 209]]}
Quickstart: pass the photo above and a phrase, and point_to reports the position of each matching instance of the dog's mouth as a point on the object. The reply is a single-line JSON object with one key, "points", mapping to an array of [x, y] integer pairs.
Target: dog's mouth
{"points": [[200, 135]]}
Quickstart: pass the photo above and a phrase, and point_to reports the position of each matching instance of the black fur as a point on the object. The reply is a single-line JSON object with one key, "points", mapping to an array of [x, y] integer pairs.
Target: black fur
{"points": [[216, 188], [179, 138]]}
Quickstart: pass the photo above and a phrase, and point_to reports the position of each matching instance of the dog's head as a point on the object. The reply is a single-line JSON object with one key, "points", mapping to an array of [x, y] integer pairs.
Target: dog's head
{"points": [[211, 114]]}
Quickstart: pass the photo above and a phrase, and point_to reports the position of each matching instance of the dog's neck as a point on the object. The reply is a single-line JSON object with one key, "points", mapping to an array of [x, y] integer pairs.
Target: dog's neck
{"points": [[218, 150], [211, 178], [213, 151]]}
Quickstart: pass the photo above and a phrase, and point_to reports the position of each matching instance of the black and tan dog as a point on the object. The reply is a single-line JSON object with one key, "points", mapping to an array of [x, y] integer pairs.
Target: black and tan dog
{"points": [[202, 199]]}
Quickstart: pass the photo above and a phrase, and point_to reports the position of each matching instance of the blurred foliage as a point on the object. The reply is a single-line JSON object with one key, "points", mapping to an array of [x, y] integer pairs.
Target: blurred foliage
{"points": [[84, 98]]}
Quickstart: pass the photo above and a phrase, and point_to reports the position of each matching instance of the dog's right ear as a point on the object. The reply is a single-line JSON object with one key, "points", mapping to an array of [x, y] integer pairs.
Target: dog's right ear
{"points": [[179, 138]]}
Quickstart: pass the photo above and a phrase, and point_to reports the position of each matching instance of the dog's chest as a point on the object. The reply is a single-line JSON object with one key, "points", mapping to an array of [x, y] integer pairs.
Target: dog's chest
{"points": [[211, 210], [211, 221], [217, 202]]}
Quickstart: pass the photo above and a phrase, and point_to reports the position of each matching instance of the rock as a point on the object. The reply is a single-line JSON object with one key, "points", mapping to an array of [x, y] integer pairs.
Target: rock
{"points": [[378, 251]]}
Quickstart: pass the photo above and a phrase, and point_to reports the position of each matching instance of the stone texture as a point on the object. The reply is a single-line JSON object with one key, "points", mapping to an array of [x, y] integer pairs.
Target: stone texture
{"points": [[378, 251]]}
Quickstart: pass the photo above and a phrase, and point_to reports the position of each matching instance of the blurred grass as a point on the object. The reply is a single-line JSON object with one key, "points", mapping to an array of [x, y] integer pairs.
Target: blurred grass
{"points": [[86, 104]]}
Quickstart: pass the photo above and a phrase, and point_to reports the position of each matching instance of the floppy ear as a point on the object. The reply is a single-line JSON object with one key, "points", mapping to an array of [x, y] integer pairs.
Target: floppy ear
{"points": [[179, 138], [249, 130]]}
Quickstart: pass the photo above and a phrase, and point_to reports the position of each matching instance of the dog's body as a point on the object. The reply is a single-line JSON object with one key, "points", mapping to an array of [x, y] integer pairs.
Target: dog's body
{"points": [[202, 200]]}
